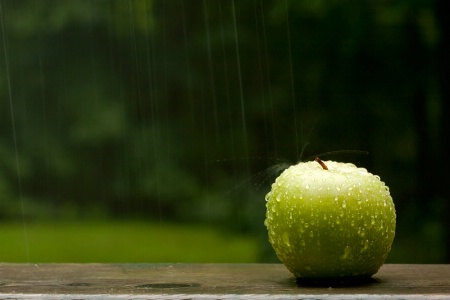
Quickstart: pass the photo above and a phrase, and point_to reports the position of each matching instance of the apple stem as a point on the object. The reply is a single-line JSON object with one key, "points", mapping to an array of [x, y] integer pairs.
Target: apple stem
{"points": [[324, 166]]}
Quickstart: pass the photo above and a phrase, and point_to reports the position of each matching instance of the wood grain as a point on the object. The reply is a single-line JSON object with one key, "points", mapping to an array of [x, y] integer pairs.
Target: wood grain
{"points": [[205, 281]]}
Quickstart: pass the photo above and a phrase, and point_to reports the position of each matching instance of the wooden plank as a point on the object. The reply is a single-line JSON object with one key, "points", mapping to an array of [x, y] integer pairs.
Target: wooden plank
{"points": [[203, 281]]}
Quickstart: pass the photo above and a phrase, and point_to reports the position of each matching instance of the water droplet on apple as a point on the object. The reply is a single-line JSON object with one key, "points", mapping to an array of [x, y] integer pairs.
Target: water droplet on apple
{"points": [[311, 234], [338, 188], [303, 242], [307, 187], [278, 198], [347, 253], [365, 246], [344, 204], [285, 239], [307, 267], [361, 232]]}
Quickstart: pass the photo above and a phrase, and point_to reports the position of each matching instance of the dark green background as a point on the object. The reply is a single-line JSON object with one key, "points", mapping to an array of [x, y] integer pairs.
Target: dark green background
{"points": [[168, 111]]}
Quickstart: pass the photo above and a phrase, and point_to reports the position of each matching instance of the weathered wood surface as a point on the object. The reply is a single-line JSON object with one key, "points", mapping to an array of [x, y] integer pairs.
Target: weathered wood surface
{"points": [[206, 281]]}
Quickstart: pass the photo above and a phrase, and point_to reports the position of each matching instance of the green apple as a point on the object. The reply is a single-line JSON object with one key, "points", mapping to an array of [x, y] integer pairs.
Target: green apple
{"points": [[330, 220]]}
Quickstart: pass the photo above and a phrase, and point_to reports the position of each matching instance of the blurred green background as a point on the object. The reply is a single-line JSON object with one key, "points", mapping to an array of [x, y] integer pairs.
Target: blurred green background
{"points": [[139, 130]]}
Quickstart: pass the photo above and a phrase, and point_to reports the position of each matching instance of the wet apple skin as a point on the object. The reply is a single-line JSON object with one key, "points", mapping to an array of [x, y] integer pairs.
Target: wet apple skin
{"points": [[331, 223]]}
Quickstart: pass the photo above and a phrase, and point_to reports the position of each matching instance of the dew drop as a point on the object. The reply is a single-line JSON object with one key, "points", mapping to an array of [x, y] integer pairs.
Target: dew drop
{"points": [[307, 187], [278, 198], [338, 188], [311, 234], [307, 267], [344, 204]]}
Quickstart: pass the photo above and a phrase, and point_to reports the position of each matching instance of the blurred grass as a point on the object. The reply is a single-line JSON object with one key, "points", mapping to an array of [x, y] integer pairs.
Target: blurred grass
{"points": [[138, 242], [122, 241]]}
